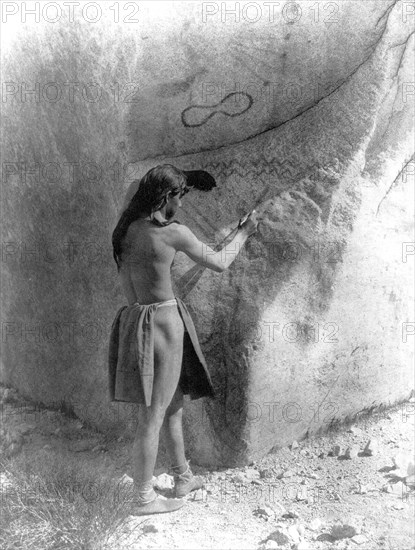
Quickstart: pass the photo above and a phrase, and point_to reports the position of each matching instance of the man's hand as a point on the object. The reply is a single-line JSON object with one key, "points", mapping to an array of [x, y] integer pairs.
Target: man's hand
{"points": [[250, 223]]}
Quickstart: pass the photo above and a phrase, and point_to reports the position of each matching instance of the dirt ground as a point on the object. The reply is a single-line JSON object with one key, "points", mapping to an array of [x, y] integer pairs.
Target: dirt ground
{"points": [[326, 492]]}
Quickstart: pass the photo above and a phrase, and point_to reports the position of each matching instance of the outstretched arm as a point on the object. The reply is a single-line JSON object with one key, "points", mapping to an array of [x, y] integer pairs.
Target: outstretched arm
{"points": [[203, 254]]}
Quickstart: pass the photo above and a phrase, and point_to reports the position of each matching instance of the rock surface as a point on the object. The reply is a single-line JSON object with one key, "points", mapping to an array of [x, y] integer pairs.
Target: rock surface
{"points": [[321, 121]]}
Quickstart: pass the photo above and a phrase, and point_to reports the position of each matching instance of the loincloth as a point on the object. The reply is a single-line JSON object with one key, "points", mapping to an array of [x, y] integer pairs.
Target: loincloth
{"points": [[131, 355]]}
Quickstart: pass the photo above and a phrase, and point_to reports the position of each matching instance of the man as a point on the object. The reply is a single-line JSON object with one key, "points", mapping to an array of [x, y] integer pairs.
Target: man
{"points": [[148, 337]]}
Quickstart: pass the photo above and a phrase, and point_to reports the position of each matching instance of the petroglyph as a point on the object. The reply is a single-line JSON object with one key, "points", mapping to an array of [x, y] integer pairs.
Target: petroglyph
{"points": [[233, 105]]}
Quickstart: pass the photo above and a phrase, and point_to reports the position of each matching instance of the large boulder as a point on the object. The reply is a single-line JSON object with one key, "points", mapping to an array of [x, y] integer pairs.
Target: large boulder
{"points": [[308, 108]]}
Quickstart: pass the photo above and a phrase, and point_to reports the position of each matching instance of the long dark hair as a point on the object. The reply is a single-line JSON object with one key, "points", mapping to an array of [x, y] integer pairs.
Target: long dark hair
{"points": [[150, 196]]}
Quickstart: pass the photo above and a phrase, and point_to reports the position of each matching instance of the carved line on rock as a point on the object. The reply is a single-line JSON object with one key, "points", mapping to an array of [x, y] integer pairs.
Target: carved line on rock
{"points": [[215, 112]]}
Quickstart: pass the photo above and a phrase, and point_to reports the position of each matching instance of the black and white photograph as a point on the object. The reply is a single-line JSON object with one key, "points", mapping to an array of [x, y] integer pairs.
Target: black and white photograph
{"points": [[207, 275]]}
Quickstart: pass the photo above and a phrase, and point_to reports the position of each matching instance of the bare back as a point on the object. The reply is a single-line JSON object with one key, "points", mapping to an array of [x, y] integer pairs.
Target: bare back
{"points": [[147, 255]]}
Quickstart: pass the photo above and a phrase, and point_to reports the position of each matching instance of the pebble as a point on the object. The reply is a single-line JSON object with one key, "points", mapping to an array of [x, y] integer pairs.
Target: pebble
{"points": [[264, 511], [164, 481], [343, 531], [398, 489], [359, 539], [362, 490], [352, 452], [291, 514], [198, 495], [371, 447], [5, 481], [250, 474], [294, 445], [239, 478], [126, 480], [301, 529], [293, 533], [315, 524], [337, 450], [410, 480], [302, 545], [355, 430], [279, 537], [404, 462], [288, 473], [266, 473]]}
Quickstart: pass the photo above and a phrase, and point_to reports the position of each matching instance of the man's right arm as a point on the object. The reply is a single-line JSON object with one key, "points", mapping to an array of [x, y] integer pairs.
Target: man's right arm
{"points": [[201, 253]]}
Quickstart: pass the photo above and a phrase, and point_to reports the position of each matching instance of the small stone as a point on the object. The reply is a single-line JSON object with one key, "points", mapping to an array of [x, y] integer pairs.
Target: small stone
{"points": [[250, 474], [293, 533], [336, 450], [266, 473], [163, 482], [240, 479], [126, 480], [278, 509], [256, 482], [5, 481], [301, 529], [321, 455], [315, 524], [264, 511], [371, 447], [302, 545], [302, 494], [291, 514], [150, 529], [359, 539], [399, 474], [198, 495], [410, 481], [399, 489], [362, 490], [355, 430], [288, 473], [313, 476], [279, 537], [343, 531], [404, 462], [398, 506], [294, 445], [352, 452]]}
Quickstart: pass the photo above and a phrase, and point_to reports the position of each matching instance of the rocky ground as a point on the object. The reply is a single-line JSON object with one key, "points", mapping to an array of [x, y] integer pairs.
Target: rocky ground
{"points": [[352, 488]]}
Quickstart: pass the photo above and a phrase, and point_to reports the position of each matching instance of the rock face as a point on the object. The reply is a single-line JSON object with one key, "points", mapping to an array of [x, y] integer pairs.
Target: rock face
{"points": [[307, 108]]}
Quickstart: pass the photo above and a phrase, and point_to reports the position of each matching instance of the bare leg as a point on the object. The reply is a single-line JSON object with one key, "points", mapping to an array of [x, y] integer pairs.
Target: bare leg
{"points": [[184, 480], [173, 430], [168, 350]]}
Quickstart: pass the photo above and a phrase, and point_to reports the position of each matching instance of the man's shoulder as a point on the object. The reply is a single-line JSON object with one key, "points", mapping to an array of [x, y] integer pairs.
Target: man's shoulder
{"points": [[180, 233]]}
